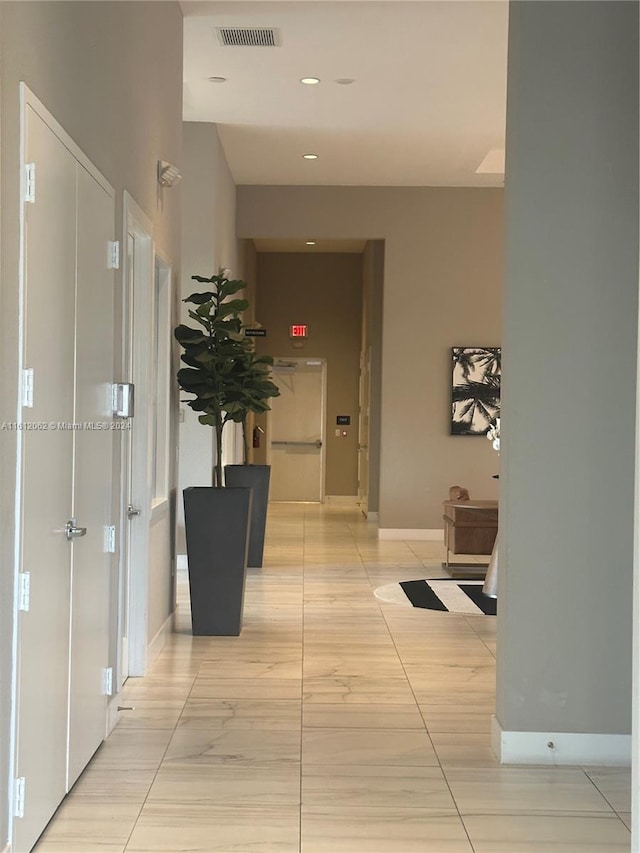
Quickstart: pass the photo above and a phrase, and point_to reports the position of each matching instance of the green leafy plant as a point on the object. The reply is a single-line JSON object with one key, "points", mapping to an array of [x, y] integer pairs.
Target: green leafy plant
{"points": [[256, 388], [223, 373]]}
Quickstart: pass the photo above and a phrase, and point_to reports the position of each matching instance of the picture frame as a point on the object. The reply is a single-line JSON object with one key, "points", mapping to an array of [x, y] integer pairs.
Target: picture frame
{"points": [[475, 389]]}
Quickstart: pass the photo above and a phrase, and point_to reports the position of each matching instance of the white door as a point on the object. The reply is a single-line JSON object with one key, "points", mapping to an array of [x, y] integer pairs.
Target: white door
{"points": [[62, 633], [136, 470], [47, 456], [296, 430], [93, 461]]}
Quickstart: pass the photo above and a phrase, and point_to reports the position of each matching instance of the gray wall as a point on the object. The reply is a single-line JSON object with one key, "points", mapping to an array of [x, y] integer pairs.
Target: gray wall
{"points": [[442, 288], [568, 416], [111, 75], [208, 242]]}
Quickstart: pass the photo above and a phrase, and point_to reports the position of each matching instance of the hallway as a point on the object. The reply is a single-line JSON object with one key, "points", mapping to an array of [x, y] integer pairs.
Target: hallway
{"points": [[333, 723]]}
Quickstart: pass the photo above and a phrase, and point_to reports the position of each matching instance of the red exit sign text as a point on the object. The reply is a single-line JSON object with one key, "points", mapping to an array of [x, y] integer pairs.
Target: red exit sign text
{"points": [[298, 331]]}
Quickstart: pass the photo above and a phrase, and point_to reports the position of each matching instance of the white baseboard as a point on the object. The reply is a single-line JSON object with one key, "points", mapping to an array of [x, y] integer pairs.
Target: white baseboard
{"points": [[574, 748], [157, 644], [344, 500], [181, 563], [408, 533]]}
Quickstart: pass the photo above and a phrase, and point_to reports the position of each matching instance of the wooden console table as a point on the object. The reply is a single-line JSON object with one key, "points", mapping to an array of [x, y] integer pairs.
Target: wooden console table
{"points": [[470, 527]]}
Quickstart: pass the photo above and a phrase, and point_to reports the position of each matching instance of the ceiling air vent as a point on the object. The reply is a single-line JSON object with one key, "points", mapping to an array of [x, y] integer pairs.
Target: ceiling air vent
{"points": [[247, 36]]}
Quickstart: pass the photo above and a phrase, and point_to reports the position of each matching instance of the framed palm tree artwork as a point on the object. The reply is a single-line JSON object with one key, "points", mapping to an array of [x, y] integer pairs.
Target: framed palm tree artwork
{"points": [[475, 394]]}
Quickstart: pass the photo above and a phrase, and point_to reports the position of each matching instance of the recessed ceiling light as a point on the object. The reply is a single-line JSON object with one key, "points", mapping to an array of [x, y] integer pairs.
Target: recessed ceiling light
{"points": [[310, 81], [345, 81], [217, 79], [310, 156], [311, 243]]}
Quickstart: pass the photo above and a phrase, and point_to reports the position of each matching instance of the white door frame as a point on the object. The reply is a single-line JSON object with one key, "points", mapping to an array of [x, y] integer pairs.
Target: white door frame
{"points": [[134, 580]]}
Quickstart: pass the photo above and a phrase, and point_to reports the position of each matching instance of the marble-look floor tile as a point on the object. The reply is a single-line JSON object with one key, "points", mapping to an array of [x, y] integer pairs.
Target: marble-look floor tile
{"points": [[482, 700], [334, 666], [140, 749], [419, 657], [462, 749], [625, 817], [519, 790], [211, 760], [121, 785], [233, 746], [215, 829], [247, 688], [329, 830], [443, 705], [264, 714], [200, 784], [374, 786], [368, 690], [547, 834], [404, 748], [161, 687], [238, 666], [476, 676], [80, 826], [343, 716], [464, 722], [151, 714], [614, 783]]}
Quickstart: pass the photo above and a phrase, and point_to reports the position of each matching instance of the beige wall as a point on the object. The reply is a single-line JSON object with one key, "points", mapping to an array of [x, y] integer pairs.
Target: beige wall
{"points": [[111, 74], [324, 291], [208, 243], [442, 288]]}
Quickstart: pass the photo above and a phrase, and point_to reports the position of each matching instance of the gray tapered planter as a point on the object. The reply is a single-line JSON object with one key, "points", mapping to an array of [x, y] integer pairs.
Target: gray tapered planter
{"points": [[217, 532], [255, 477]]}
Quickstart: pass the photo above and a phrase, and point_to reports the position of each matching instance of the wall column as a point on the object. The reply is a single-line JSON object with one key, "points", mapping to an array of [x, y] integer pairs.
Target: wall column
{"points": [[569, 384]]}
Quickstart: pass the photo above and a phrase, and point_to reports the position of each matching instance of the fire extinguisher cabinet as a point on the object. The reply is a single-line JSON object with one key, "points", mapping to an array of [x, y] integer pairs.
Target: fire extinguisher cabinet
{"points": [[255, 477]]}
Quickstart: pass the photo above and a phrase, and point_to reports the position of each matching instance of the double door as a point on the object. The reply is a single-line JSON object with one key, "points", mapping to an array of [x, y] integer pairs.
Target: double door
{"points": [[65, 458]]}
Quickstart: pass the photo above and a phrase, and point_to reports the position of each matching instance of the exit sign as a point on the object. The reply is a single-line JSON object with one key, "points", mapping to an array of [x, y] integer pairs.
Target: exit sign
{"points": [[299, 331]]}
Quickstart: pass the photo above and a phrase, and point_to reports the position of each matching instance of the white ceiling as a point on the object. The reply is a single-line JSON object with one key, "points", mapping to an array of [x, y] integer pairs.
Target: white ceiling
{"points": [[426, 107]]}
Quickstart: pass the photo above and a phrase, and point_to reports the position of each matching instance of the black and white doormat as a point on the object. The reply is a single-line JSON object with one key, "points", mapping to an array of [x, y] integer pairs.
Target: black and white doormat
{"points": [[446, 595]]}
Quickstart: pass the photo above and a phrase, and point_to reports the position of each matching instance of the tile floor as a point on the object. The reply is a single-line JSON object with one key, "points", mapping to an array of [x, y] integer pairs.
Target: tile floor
{"points": [[333, 723]]}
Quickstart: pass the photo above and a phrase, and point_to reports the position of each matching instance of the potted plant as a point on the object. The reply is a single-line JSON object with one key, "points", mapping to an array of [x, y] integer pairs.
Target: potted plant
{"points": [[216, 354], [257, 388]]}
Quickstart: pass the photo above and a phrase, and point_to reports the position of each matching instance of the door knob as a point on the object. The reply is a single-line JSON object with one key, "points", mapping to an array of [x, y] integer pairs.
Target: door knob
{"points": [[318, 443], [73, 532], [132, 511]]}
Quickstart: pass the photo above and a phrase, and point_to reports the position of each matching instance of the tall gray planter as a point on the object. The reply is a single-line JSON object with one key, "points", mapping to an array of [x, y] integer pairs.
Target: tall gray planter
{"points": [[255, 477], [217, 533]]}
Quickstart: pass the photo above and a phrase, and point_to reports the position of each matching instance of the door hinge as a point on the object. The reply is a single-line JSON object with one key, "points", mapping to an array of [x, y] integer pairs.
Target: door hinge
{"points": [[123, 399], [107, 681], [110, 539], [30, 182], [113, 262], [24, 591], [19, 797], [27, 387]]}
